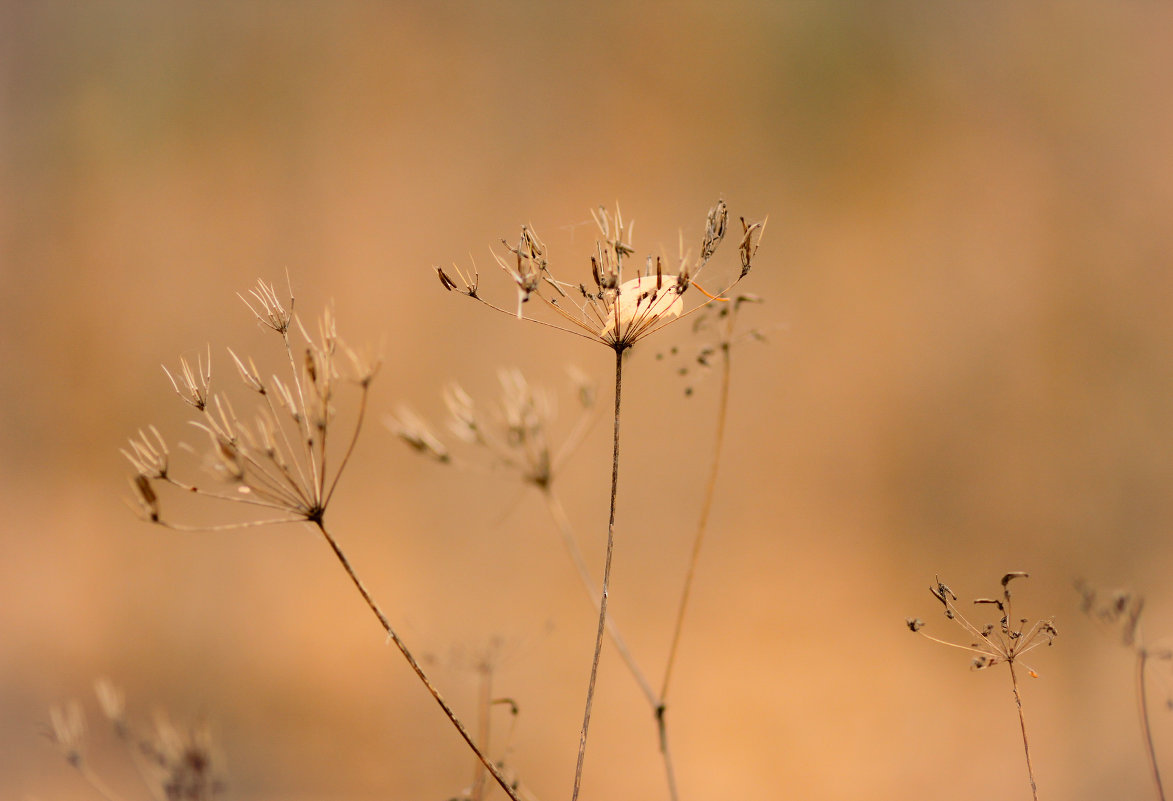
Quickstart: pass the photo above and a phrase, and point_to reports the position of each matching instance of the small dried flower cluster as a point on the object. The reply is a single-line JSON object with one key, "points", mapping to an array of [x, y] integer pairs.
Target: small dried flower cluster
{"points": [[1004, 641], [1120, 612], [514, 432], [278, 461], [176, 764], [716, 327], [613, 310]]}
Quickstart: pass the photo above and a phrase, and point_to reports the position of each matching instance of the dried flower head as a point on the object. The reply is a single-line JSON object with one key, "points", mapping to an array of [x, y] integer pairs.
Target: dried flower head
{"points": [[176, 764], [182, 763], [281, 459], [716, 331], [1119, 611], [615, 310], [514, 432], [193, 386], [992, 643]]}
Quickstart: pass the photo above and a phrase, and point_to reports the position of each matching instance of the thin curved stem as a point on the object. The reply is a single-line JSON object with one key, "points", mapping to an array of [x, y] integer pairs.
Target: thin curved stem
{"points": [[1022, 724], [362, 412], [1142, 656], [508, 313], [586, 718], [564, 528], [415, 666], [703, 523], [572, 549]]}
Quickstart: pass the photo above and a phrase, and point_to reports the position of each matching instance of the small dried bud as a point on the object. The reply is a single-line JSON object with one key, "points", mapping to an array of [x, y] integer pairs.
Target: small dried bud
{"points": [[229, 459], [714, 230], [146, 502], [311, 368], [464, 420], [408, 426], [249, 375], [193, 386], [914, 623], [1011, 576], [270, 312], [113, 702], [67, 731], [148, 457], [750, 240]]}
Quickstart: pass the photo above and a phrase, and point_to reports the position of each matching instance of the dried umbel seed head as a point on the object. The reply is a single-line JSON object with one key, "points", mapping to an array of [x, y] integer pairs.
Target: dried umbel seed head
{"points": [[1005, 641], [277, 460], [515, 432], [614, 310], [639, 305], [1119, 611], [184, 763], [193, 386], [464, 283], [266, 306]]}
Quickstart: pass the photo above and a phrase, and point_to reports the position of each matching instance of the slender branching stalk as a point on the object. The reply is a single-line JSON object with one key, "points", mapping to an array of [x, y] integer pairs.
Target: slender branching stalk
{"points": [[992, 644], [702, 522], [1030, 771], [280, 461], [616, 313], [505, 784], [586, 717], [515, 437], [1142, 658], [558, 513]]}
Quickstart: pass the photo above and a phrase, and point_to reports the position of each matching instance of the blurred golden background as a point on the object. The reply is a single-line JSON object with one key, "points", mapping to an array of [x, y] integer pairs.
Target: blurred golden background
{"points": [[969, 371]]}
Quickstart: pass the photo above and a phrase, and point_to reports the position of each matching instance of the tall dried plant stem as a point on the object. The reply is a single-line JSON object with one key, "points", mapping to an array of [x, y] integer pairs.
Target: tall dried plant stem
{"points": [[586, 717], [565, 529], [415, 666], [1142, 656], [703, 523], [1022, 724], [558, 512]]}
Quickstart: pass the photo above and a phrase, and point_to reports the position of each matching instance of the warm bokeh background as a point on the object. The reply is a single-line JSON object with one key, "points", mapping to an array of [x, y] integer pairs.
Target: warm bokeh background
{"points": [[970, 370]]}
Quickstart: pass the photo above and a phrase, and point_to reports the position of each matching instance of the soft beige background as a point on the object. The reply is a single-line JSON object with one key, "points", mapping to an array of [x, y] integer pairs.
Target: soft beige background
{"points": [[970, 371]]}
